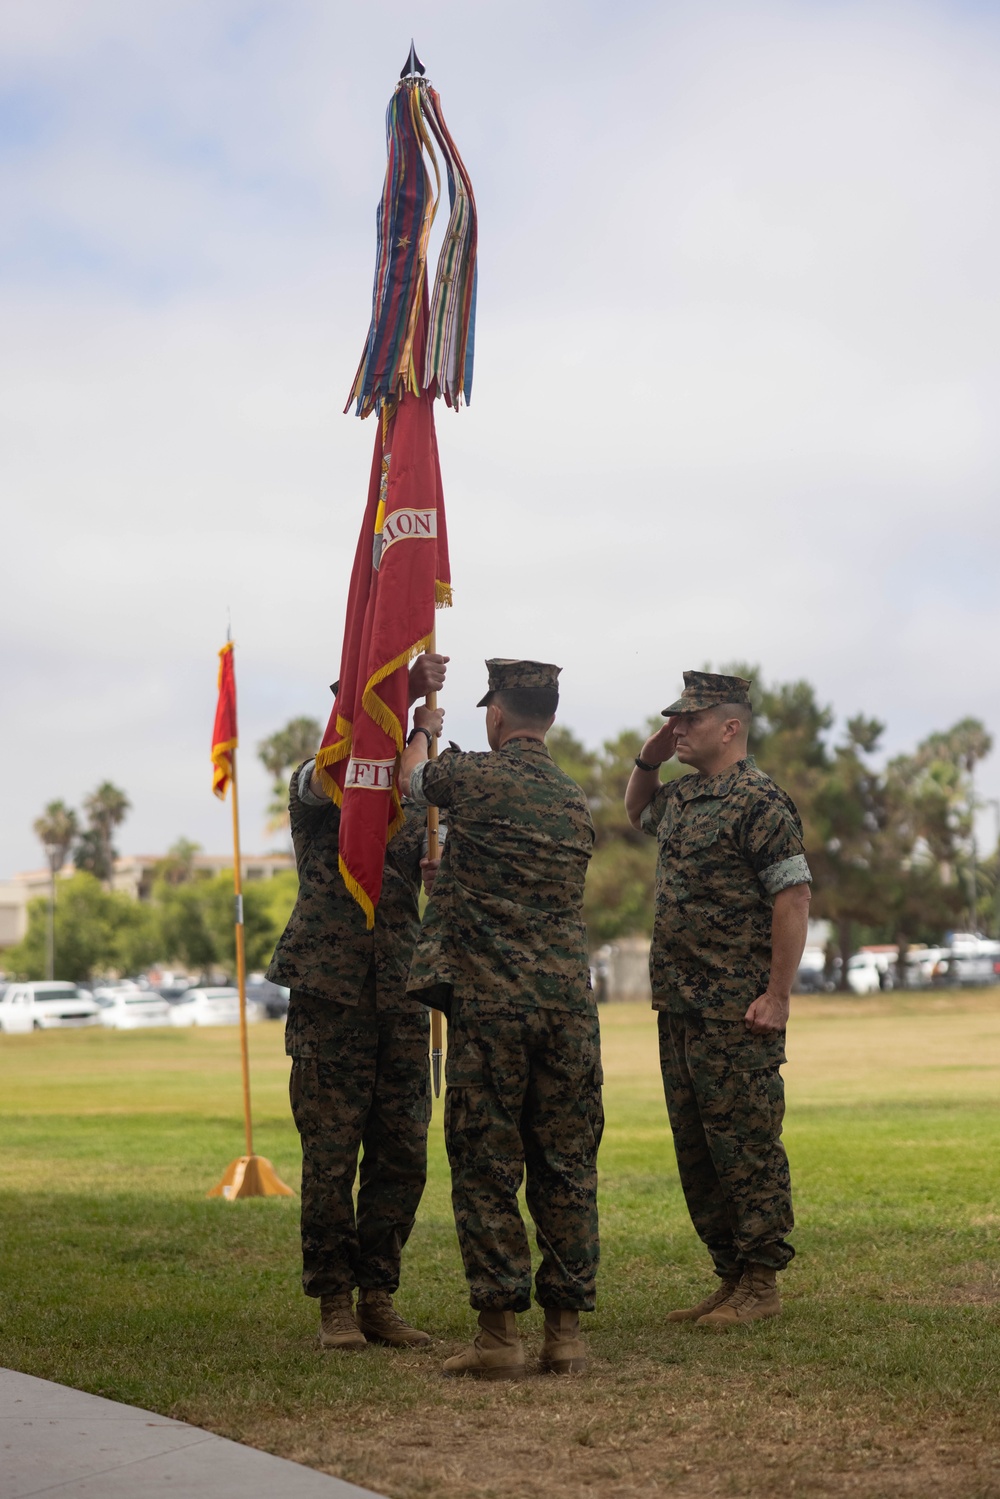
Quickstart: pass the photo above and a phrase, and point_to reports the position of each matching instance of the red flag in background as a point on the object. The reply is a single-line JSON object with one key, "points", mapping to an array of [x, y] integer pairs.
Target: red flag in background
{"points": [[224, 738], [400, 573]]}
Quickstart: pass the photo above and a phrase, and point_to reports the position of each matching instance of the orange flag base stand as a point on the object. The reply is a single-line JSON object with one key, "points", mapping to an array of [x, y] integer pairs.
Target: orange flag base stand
{"points": [[250, 1176]]}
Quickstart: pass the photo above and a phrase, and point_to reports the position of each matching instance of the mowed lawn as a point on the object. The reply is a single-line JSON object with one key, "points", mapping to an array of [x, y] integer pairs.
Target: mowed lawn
{"points": [[881, 1379]]}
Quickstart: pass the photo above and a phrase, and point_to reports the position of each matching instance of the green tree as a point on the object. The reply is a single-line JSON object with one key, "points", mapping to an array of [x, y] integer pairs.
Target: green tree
{"points": [[96, 931], [618, 900], [106, 809], [931, 874], [178, 865], [196, 927], [989, 896], [845, 813], [279, 894], [186, 935], [960, 748], [55, 829], [572, 756], [279, 754]]}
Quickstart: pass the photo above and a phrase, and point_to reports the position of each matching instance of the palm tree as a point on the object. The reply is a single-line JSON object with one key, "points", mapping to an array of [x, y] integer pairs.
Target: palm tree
{"points": [[56, 829], [106, 809], [279, 754], [961, 747]]}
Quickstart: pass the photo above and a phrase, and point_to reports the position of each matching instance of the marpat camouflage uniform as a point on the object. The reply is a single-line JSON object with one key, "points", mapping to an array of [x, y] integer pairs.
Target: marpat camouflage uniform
{"points": [[727, 845], [504, 949], [359, 1049]]}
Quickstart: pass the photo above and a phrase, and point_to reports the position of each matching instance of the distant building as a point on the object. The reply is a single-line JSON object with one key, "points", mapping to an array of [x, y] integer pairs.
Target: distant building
{"points": [[133, 875], [13, 913], [621, 971]]}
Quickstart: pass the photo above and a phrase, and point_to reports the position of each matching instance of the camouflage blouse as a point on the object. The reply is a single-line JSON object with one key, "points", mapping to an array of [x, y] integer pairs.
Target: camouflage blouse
{"points": [[505, 922], [325, 950], [727, 845]]}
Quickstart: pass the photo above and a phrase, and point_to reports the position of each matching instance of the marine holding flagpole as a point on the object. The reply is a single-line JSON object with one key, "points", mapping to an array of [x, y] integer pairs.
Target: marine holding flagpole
{"points": [[503, 949], [359, 1076]]}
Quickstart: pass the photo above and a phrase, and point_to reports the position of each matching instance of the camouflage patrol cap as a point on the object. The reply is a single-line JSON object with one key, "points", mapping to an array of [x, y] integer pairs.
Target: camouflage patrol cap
{"points": [[506, 674], [706, 689]]}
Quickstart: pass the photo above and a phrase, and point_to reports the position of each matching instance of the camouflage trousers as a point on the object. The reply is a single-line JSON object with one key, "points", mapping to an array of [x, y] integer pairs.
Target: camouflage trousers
{"points": [[726, 1102], [524, 1101], [361, 1086]]}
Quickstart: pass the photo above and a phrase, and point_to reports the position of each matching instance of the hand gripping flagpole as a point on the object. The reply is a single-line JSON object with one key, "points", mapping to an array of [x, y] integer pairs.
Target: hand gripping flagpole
{"points": [[248, 1175]]}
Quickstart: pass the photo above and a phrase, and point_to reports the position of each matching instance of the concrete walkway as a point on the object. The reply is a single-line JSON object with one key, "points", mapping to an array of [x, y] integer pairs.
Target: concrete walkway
{"points": [[61, 1442]]}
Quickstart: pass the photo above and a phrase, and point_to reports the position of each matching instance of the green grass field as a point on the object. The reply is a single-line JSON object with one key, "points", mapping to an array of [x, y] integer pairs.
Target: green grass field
{"points": [[881, 1379]]}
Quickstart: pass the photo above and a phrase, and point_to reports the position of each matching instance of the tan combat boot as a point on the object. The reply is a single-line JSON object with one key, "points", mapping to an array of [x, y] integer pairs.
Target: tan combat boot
{"points": [[497, 1352], [380, 1322], [563, 1349], [721, 1294], [755, 1297], [338, 1328]]}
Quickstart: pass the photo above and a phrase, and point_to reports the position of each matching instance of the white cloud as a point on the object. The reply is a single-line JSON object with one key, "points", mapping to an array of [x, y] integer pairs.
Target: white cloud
{"points": [[737, 366]]}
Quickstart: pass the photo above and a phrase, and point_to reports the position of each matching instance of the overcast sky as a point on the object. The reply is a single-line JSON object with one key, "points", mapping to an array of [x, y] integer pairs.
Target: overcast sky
{"points": [[737, 367]]}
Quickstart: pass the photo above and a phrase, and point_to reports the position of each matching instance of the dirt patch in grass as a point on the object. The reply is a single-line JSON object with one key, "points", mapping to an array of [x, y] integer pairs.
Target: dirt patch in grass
{"points": [[624, 1433], [980, 1286]]}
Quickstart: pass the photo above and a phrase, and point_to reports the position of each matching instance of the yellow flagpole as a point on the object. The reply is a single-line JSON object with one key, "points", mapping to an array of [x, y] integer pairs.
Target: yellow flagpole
{"points": [[249, 1175], [241, 959], [434, 852]]}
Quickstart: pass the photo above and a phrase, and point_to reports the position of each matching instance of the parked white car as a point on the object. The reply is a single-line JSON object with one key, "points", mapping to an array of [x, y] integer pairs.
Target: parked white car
{"points": [[865, 973], [46, 1006], [970, 959], [211, 1007], [128, 1008], [923, 965], [812, 977]]}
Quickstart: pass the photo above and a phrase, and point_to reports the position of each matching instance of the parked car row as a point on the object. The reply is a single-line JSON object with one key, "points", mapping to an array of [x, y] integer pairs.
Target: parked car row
{"points": [[126, 1007], [967, 959], [44, 1006]]}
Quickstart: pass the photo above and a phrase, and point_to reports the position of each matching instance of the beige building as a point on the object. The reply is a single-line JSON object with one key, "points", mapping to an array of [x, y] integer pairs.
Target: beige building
{"points": [[133, 875]]}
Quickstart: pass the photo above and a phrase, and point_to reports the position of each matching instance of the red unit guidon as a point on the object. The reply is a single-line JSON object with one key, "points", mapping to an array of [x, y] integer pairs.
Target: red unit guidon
{"points": [[224, 736], [400, 573]]}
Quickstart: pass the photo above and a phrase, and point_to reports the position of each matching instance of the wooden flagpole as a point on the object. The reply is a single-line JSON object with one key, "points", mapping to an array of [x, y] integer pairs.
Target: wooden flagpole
{"points": [[241, 958], [249, 1175], [434, 852]]}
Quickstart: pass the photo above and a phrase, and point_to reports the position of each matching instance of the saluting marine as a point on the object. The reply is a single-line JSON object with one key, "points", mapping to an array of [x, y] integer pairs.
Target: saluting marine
{"points": [[503, 950], [731, 908]]}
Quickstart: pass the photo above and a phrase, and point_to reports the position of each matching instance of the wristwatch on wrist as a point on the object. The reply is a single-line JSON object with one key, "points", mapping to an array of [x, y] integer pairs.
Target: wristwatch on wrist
{"points": [[419, 729], [645, 765]]}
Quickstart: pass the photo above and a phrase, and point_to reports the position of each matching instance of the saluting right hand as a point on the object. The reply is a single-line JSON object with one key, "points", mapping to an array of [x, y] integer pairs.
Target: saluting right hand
{"points": [[661, 745]]}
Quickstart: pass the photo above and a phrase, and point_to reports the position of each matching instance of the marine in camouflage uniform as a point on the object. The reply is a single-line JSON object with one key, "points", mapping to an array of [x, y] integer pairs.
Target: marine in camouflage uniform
{"points": [[359, 1077], [729, 843], [503, 950]]}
